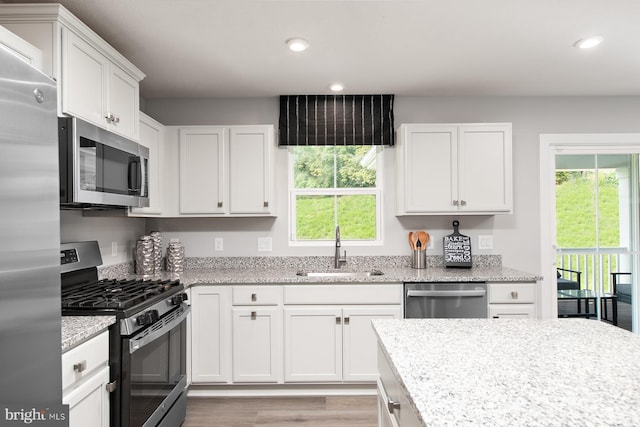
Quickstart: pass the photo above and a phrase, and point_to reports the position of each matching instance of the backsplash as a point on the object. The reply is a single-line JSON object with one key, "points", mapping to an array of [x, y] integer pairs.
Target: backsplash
{"points": [[354, 263]]}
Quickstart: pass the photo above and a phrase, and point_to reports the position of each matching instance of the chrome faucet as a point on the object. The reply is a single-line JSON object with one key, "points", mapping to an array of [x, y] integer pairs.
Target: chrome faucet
{"points": [[339, 260]]}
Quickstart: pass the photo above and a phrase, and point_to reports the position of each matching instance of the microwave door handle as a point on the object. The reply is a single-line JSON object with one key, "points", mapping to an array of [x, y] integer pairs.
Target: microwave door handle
{"points": [[143, 177], [133, 175]]}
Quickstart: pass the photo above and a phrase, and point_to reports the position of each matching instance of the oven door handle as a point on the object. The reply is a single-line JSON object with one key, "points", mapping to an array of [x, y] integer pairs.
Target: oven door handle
{"points": [[153, 332], [469, 293]]}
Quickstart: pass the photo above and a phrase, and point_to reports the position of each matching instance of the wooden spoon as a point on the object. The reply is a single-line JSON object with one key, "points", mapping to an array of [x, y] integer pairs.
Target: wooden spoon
{"points": [[413, 239], [423, 238]]}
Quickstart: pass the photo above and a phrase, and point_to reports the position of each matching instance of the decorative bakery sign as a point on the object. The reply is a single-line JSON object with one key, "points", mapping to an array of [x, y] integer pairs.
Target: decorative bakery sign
{"points": [[457, 249]]}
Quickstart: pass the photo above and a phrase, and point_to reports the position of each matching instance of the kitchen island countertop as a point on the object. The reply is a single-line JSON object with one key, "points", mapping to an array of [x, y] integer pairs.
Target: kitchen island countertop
{"points": [[554, 372], [78, 329]]}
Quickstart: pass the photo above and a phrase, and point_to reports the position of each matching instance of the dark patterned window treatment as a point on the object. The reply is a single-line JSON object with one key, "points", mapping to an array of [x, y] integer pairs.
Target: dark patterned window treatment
{"points": [[336, 120]]}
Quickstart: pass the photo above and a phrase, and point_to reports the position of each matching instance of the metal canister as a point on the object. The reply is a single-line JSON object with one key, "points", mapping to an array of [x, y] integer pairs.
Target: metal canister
{"points": [[144, 256], [156, 237], [175, 257]]}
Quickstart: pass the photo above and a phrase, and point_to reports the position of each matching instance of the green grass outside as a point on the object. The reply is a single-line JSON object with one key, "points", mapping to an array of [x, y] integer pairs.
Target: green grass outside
{"points": [[356, 216]]}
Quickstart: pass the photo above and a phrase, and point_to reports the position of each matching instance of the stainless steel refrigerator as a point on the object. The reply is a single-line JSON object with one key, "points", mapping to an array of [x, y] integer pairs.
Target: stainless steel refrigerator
{"points": [[30, 346]]}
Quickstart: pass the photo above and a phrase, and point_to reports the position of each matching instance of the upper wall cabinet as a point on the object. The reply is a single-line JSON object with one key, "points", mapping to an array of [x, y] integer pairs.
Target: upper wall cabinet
{"points": [[226, 171], [21, 48], [152, 136], [95, 82], [454, 169]]}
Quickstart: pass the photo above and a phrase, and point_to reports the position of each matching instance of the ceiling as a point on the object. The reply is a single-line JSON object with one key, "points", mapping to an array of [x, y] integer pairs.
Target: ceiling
{"points": [[236, 48]]}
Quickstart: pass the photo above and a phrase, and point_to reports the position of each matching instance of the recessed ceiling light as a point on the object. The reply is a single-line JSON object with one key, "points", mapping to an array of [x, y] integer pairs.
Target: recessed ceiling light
{"points": [[297, 45], [336, 87], [589, 42]]}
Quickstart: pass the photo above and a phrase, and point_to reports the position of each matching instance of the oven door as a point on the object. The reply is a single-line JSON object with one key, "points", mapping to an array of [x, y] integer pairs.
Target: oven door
{"points": [[153, 376]]}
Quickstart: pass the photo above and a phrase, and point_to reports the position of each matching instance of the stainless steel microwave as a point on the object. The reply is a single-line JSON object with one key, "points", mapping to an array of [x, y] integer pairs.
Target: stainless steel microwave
{"points": [[99, 168]]}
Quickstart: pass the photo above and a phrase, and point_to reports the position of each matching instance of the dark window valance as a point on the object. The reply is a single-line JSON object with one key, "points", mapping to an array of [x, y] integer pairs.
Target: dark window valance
{"points": [[336, 120]]}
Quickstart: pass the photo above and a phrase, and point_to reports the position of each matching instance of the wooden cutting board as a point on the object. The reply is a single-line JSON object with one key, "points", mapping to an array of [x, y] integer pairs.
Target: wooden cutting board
{"points": [[457, 249]]}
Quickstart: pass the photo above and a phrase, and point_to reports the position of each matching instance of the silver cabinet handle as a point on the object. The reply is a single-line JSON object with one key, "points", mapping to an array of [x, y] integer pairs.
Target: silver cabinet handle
{"points": [[110, 118], [266, 204], [254, 297], [463, 203], [219, 204], [392, 405], [111, 387], [253, 315], [80, 367], [346, 320], [338, 320], [455, 203], [514, 294]]}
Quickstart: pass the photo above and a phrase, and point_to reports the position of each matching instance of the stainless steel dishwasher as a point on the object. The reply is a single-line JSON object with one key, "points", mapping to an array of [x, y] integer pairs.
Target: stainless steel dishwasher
{"points": [[445, 300]]}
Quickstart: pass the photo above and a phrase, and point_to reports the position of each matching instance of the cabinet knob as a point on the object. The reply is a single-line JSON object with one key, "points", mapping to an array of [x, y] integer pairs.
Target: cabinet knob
{"points": [[253, 315], [514, 294], [455, 203], [338, 320], [266, 204], [254, 297], [463, 203], [346, 320], [80, 367], [110, 118], [219, 204], [115, 120]]}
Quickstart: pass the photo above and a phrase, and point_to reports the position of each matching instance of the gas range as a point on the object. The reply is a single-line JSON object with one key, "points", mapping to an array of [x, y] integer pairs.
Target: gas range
{"points": [[150, 381]]}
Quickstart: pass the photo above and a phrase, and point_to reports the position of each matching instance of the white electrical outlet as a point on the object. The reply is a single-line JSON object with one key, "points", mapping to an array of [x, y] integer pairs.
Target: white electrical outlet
{"points": [[265, 244], [114, 249], [430, 243], [485, 242], [219, 244]]}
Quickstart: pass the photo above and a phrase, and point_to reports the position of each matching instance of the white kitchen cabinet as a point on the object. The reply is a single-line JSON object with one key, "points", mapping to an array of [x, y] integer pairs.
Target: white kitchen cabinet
{"points": [[313, 344], [210, 335], [226, 171], [394, 408], [85, 375], [95, 82], [512, 300], [152, 137], [257, 334], [454, 169], [327, 330], [21, 48]]}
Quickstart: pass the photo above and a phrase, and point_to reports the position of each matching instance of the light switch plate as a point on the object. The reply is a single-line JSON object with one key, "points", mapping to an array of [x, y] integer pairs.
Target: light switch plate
{"points": [[265, 244]]}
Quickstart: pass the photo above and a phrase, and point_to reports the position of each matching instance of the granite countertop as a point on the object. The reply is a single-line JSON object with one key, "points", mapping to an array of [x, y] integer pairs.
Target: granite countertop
{"points": [[78, 329], [282, 270], [554, 372]]}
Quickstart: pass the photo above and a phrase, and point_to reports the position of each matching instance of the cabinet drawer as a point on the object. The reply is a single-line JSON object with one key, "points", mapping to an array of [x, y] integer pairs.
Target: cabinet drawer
{"points": [[257, 295], [343, 294], [512, 293], [512, 311], [82, 361]]}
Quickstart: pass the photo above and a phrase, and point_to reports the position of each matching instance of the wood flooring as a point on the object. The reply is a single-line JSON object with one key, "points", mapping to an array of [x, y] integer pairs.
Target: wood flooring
{"points": [[329, 411]]}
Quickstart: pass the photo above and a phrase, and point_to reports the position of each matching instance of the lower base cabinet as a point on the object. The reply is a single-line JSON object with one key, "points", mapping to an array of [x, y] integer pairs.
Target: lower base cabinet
{"points": [[394, 408], [85, 375], [246, 334], [512, 300]]}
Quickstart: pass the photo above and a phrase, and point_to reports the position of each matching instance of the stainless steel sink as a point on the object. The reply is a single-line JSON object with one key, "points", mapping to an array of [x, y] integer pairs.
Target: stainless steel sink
{"points": [[340, 273]]}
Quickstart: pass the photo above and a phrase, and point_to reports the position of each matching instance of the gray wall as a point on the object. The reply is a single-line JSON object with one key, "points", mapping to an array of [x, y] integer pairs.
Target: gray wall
{"points": [[516, 237]]}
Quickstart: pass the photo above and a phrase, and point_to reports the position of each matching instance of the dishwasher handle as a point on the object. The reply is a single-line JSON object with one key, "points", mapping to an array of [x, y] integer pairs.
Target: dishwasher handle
{"points": [[452, 293]]}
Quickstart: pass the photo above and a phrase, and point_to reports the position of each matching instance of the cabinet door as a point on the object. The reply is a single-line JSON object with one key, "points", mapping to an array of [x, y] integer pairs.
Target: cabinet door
{"points": [[84, 72], [257, 344], [152, 137], [89, 401], [484, 165], [21, 48], [123, 102], [512, 311], [360, 341], [312, 344], [428, 168], [202, 170], [210, 340], [250, 174]]}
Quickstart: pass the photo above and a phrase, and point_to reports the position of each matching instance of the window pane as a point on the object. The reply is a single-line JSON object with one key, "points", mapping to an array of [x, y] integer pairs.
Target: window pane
{"points": [[356, 166], [315, 218], [357, 217], [313, 167]]}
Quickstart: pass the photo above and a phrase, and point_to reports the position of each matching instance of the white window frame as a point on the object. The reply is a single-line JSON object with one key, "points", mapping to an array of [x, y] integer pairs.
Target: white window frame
{"points": [[294, 192]]}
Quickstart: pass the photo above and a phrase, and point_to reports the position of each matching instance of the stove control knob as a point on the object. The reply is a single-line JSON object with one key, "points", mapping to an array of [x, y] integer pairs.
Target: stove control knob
{"points": [[147, 318], [178, 299]]}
